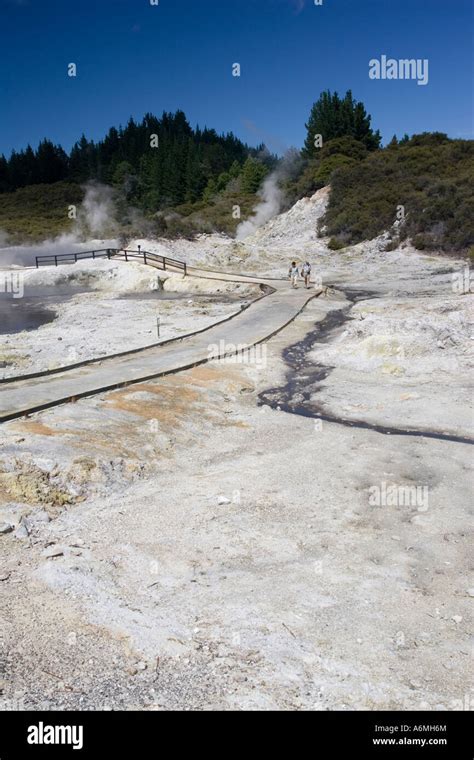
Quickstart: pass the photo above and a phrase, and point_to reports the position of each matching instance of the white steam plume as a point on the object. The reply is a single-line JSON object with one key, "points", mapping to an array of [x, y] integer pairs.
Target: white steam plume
{"points": [[95, 224], [271, 194], [97, 214], [270, 205]]}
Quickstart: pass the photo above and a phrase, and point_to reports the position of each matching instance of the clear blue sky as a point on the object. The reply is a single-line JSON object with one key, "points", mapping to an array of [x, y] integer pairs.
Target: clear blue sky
{"points": [[133, 57]]}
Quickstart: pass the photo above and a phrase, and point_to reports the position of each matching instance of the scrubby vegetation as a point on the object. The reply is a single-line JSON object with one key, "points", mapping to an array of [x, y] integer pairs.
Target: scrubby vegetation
{"points": [[195, 180], [38, 212], [213, 216], [423, 185], [315, 173], [181, 180], [35, 213]]}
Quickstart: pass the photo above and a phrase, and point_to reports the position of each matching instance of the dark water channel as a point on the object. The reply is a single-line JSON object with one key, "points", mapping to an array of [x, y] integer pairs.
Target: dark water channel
{"points": [[304, 378]]}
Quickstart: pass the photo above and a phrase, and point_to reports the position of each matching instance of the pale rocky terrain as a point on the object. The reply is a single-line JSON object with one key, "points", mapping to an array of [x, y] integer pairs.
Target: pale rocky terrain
{"points": [[107, 307], [177, 545]]}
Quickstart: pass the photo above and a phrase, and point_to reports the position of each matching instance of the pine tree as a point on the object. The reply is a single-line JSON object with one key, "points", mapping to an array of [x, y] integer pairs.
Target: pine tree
{"points": [[235, 170], [23, 168], [4, 178], [332, 117], [253, 174], [83, 161], [51, 161], [210, 191], [194, 180], [176, 170]]}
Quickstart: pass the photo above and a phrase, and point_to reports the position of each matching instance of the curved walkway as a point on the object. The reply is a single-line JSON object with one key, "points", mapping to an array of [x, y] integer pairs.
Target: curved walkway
{"points": [[254, 325]]}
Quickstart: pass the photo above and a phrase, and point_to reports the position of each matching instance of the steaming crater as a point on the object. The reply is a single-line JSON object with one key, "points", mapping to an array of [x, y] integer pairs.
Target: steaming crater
{"points": [[95, 222], [271, 194], [23, 314], [272, 198], [24, 255]]}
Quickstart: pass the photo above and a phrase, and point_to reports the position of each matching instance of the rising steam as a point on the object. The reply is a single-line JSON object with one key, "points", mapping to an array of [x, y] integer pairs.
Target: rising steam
{"points": [[97, 214], [269, 206], [271, 194], [96, 218]]}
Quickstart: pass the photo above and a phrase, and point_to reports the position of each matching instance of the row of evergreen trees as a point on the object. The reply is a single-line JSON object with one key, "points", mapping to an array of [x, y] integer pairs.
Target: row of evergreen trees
{"points": [[48, 164], [332, 117], [159, 162]]}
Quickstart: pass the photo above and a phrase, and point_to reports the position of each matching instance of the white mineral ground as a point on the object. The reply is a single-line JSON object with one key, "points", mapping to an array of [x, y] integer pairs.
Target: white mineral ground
{"points": [[174, 545], [106, 307]]}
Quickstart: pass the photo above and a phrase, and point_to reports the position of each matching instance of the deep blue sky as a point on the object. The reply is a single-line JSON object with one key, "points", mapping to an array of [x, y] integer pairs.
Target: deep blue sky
{"points": [[133, 58]]}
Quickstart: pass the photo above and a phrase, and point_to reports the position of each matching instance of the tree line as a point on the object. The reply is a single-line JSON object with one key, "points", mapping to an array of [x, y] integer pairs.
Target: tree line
{"points": [[164, 162], [158, 162]]}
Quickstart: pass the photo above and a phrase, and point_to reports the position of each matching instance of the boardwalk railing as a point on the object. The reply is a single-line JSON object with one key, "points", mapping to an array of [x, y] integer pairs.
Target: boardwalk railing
{"points": [[152, 259]]}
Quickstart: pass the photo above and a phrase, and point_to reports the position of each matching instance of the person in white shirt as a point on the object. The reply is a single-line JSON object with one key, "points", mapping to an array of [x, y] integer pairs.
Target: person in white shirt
{"points": [[306, 272], [293, 274]]}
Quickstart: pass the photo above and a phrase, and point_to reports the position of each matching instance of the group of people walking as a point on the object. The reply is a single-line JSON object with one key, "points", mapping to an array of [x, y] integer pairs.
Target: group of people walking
{"points": [[294, 274]]}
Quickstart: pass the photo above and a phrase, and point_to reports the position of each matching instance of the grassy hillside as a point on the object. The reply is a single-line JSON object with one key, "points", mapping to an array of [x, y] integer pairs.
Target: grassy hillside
{"points": [[38, 212], [429, 175], [213, 216]]}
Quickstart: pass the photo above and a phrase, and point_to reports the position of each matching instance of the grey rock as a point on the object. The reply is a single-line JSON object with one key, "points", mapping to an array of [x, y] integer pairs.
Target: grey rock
{"points": [[22, 531], [41, 517], [52, 551]]}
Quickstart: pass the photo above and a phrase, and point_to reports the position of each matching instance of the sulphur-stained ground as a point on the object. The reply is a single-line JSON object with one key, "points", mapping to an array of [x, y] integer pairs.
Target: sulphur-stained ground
{"points": [[206, 541]]}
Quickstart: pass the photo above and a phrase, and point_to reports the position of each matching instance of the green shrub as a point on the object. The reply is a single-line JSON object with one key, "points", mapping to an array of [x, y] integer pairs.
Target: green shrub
{"points": [[253, 174], [335, 244], [344, 146], [429, 175], [393, 244], [421, 242], [329, 165]]}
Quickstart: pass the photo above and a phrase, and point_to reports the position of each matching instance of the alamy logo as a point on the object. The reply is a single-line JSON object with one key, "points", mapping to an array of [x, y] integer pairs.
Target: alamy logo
{"points": [[229, 353], [466, 703], [386, 495], [405, 68], [42, 734], [12, 282], [463, 282]]}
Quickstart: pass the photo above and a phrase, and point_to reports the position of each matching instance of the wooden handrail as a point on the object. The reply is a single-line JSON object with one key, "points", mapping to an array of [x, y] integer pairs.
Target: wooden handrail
{"points": [[122, 253]]}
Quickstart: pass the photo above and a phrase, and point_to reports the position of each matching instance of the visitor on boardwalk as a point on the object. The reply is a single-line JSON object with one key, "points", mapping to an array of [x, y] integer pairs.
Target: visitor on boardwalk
{"points": [[306, 273], [293, 274]]}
